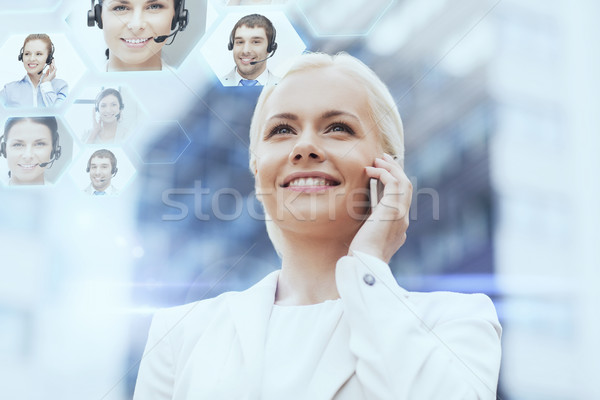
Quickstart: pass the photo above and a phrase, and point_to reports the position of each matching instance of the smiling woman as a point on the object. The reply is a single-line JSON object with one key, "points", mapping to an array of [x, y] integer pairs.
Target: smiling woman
{"points": [[135, 31], [333, 323], [30, 145], [40, 87]]}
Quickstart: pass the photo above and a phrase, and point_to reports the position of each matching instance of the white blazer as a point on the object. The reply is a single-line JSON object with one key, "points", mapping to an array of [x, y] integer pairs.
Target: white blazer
{"points": [[402, 345]]}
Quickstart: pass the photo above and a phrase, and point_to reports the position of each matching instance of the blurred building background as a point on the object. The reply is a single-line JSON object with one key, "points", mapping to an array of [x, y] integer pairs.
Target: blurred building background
{"points": [[500, 104]]}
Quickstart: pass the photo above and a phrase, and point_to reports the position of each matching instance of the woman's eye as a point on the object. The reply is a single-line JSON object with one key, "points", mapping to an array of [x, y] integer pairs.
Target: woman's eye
{"points": [[340, 128], [281, 130], [119, 8], [155, 6], [40, 144]]}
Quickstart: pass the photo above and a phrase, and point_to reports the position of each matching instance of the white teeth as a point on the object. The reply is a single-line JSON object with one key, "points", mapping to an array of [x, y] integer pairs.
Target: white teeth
{"points": [[310, 182], [135, 41]]}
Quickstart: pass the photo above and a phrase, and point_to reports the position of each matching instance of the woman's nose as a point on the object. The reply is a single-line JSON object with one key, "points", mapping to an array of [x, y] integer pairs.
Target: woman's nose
{"points": [[306, 149], [27, 152], [137, 21]]}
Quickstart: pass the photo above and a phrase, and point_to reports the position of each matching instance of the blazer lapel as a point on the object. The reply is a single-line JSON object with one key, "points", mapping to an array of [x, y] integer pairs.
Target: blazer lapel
{"points": [[251, 310]]}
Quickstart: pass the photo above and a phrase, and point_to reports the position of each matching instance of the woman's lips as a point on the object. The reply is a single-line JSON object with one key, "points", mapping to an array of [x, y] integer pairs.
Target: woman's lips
{"points": [[27, 166], [310, 182], [135, 42]]}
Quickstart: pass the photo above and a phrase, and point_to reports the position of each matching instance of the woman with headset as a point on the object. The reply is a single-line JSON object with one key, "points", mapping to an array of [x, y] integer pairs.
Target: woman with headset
{"points": [[30, 146], [332, 323], [135, 31], [107, 113], [39, 87]]}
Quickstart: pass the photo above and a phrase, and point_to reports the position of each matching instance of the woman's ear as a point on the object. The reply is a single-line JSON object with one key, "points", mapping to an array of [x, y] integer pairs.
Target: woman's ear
{"points": [[257, 186]]}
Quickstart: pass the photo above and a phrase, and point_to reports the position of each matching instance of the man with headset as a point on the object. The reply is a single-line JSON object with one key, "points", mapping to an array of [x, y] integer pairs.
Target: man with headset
{"points": [[102, 167], [252, 42]]}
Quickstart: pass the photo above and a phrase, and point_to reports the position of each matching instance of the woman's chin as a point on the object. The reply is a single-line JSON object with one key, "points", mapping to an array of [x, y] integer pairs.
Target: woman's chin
{"points": [[317, 222]]}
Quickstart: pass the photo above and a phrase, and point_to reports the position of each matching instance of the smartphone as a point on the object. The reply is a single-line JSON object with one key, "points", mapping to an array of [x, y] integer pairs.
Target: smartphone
{"points": [[376, 191]]}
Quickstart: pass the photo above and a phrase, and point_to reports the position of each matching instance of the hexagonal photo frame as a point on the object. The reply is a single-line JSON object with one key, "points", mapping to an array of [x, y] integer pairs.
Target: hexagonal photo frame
{"points": [[216, 52], [91, 179], [172, 137], [105, 114], [69, 68], [21, 155], [173, 53]]}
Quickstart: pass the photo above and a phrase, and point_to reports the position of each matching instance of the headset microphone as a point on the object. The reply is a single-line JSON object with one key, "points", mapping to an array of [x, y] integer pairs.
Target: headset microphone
{"points": [[44, 164], [258, 62], [162, 38], [42, 71]]}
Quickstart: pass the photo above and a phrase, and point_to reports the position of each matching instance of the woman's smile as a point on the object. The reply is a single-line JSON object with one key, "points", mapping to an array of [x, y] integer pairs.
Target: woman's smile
{"points": [[310, 182], [136, 42]]}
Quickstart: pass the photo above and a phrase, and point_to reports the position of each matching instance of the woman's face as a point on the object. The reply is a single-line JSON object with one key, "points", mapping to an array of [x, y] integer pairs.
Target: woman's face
{"points": [[317, 138], [28, 144], [109, 109], [130, 26], [35, 54]]}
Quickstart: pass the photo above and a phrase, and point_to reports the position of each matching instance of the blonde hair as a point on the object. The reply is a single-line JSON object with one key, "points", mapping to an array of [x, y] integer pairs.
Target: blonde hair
{"points": [[381, 108]]}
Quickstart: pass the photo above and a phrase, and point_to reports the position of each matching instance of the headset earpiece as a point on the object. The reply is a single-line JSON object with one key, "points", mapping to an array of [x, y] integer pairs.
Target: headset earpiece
{"points": [[20, 58], [56, 150], [272, 44], [94, 16], [51, 55], [2, 146], [181, 17]]}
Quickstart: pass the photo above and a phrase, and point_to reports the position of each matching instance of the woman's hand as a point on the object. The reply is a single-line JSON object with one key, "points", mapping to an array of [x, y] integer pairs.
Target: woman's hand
{"points": [[50, 73], [384, 232]]}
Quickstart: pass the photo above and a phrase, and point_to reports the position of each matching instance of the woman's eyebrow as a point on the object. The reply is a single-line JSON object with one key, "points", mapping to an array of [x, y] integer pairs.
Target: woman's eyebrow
{"points": [[291, 116], [337, 113], [109, 2]]}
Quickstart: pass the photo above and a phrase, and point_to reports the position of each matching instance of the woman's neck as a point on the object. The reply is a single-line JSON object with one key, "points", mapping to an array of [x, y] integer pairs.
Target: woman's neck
{"points": [[38, 181], [108, 132], [308, 269], [152, 64], [35, 79]]}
